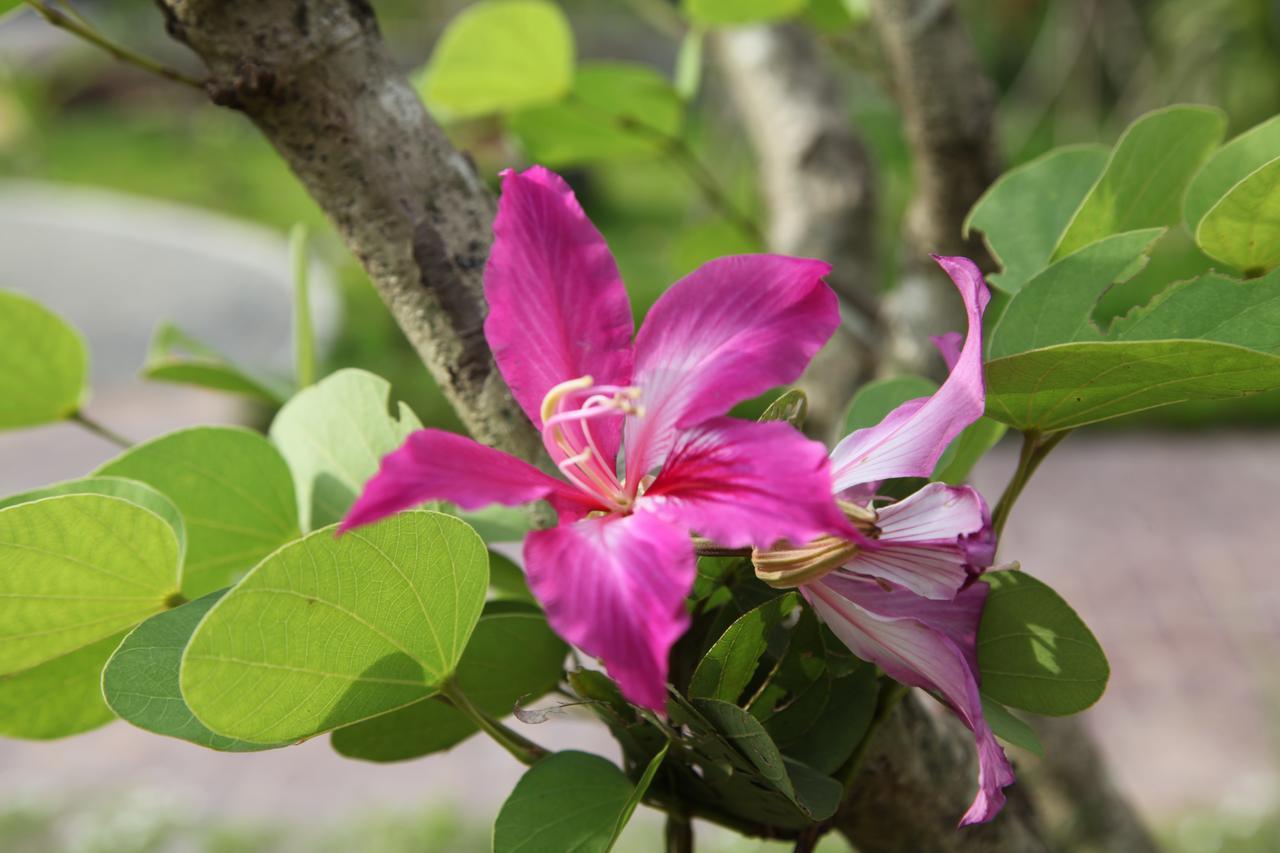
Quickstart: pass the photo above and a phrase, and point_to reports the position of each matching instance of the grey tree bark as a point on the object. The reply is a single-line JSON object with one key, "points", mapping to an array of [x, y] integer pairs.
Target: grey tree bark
{"points": [[316, 79]]}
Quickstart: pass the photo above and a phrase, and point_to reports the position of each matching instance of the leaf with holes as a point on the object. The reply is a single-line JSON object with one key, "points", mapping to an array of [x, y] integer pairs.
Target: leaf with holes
{"points": [[1212, 307]]}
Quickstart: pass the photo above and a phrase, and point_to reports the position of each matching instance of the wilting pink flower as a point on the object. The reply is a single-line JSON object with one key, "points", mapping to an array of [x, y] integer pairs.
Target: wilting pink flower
{"points": [[900, 592], [613, 576]]}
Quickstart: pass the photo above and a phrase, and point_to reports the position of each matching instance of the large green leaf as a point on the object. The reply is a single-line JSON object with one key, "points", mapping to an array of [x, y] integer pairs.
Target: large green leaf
{"points": [[140, 681], [1243, 228], [1229, 165], [1022, 215], [512, 656], [1145, 178], [333, 435], [851, 704], [727, 668], [1212, 308], [330, 631], [1070, 385], [722, 12], [567, 801], [1034, 653], [174, 356], [617, 111], [1055, 307], [500, 55], [76, 569], [59, 697], [43, 364], [233, 489]]}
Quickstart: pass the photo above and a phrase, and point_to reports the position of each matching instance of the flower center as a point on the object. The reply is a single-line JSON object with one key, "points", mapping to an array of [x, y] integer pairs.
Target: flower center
{"points": [[568, 411], [787, 566]]}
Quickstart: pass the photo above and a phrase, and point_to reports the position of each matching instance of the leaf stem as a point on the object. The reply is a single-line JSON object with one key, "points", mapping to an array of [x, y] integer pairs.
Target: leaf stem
{"points": [[75, 24], [100, 430], [521, 748], [678, 832], [304, 338], [1035, 447]]}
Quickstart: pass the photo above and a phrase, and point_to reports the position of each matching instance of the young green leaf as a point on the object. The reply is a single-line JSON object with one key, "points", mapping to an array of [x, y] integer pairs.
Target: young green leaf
{"points": [[58, 698], [330, 631], [174, 356], [500, 55], [1034, 653], [140, 681], [233, 489], [730, 12], [1229, 165], [1145, 178], [1243, 229], [43, 364], [333, 435]]}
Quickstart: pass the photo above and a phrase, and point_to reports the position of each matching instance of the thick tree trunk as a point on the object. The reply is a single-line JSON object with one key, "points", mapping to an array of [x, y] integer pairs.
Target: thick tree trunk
{"points": [[315, 77]]}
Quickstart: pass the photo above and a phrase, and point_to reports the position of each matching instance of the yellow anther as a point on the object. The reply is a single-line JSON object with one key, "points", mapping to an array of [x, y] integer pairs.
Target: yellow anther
{"points": [[559, 392]]}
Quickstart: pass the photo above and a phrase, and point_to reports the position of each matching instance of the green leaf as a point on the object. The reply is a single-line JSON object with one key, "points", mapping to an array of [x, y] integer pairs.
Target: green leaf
{"points": [[1213, 308], [59, 697], [637, 795], [970, 445], [233, 490], [1056, 306], [881, 396], [1034, 653], [500, 55], [174, 356], [43, 364], [617, 112], [689, 64], [1008, 727], [722, 12], [330, 631], [512, 656], [1022, 215], [1229, 165], [304, 334], [567, 801], [76, 569], [1070, 385], [140, 681], [791, 406], [1145, 178], [333, 435], [1243, 228], [731, 661], [829, 742]]}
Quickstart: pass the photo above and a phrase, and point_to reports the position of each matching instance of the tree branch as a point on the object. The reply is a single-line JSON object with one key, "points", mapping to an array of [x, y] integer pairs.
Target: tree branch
{"points": [[316, 79]]}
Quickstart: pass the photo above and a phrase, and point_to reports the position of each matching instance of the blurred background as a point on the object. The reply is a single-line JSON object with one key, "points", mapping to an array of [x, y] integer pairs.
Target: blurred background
{"points": [[126, 201]]}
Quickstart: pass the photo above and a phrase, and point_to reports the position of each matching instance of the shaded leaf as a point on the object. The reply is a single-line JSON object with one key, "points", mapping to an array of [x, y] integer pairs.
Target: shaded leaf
{"points": [[970, 445], [791, 406], [721, 12], [1010, 728], [732, 660], [174, 356], [43, 364], [1211, 307], [58, 698], [879, 397], [829, 742], [1229, 165]]}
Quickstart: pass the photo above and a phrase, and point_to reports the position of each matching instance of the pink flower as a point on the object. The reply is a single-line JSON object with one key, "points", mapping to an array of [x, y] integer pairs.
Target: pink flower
{"points": [[899, 593], [614, 575]]}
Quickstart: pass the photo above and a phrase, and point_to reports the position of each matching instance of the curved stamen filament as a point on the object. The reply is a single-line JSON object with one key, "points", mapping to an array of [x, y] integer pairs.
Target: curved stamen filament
{"points": [[584, 464]]}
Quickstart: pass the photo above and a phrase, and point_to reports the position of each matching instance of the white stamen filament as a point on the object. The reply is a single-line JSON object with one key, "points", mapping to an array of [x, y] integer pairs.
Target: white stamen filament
{"points": [[584, 464]]}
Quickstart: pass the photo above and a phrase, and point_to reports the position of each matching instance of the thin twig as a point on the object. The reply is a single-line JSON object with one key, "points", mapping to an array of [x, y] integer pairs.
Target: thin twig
{"points": [[75, 24], [99, 430]]}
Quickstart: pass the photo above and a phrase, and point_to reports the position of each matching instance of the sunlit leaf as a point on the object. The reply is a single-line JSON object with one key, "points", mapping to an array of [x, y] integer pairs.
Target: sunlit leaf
{"points": [[1229, 165], [1243, 228], [58, 698], [722, 12], [43, 364]]}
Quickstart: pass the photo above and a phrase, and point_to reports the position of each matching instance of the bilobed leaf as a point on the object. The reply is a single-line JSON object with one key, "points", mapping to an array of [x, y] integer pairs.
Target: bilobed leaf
{"points": [[1070, 385], [43, 364], [1055, 306], [330, 631], [1034, 653], [76, 569], [500, 55], [1243, 228], [1022, 215], [58, 698], [567, 801], [233, 489], [513, 655], [617, 111], [1229, 165], [729, 665], [333, 436], [1212, 307], [1010, 728], [722, 12], [1145, 178], [174, 356], [140, 681]]}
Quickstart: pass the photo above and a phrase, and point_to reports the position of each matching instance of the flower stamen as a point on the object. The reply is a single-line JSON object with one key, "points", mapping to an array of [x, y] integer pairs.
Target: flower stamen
{"points": [[567, 428], [786, 566]]}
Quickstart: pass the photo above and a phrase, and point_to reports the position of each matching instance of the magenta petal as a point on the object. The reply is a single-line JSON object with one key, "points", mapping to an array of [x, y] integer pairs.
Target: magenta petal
{"points": [[909, 441], [557, 306], [615, 586], [436, 465], [733, 328], [931, 542], [927, 644], [742, 483]]}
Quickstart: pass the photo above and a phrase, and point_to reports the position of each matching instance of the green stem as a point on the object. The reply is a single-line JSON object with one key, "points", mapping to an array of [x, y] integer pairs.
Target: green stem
{"points": [[678, 832], [524, 750], [1035, 447], [304, 339], [99, 430], [77, 25]]}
